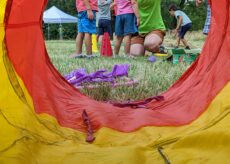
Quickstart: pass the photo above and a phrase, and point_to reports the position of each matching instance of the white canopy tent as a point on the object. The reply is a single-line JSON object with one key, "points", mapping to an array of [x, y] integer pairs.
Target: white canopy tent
{"points": [[55, 16]]}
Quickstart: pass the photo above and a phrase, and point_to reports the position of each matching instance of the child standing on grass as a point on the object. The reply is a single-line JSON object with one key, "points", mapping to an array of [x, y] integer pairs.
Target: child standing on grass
{"points": [[208, 17], [86, 25], [125, 25], [184, 24], [104, 16]]}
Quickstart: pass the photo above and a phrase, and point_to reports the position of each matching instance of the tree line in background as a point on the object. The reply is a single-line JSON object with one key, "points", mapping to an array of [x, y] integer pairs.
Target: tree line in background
{"points": [[197, 15]]}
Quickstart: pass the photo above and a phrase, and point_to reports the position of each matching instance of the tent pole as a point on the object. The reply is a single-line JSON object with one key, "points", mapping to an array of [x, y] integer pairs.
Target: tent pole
{"points": [[60, 32], [48, 31]]}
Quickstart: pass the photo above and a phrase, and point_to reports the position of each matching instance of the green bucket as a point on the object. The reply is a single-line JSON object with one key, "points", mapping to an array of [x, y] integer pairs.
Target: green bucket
{"points": [[178, 55], [177, 58], [190, 58]]}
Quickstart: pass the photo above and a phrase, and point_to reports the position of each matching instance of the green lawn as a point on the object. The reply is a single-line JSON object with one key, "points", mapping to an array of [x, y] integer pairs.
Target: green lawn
{"points": [[154, 78]]}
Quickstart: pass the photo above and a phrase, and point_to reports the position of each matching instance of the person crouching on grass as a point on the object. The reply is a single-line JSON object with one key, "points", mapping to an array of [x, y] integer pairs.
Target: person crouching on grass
{"points": [[184, 24], [151, 30]]}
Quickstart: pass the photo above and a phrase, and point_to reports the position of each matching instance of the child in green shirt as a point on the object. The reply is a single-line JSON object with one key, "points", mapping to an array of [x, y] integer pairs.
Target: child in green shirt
{"points": [[151, 30]]}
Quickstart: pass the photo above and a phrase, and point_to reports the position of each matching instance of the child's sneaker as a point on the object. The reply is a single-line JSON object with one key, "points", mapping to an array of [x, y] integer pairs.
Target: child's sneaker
{"points": [[91, 56], [75, 56], [131, 56], [118, 56], [162, 50], [187, 48]]}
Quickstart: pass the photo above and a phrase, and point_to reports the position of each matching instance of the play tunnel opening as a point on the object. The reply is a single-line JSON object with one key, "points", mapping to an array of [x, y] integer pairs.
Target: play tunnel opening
{"points": [[149, 78], [50, 104], [50, 91]]}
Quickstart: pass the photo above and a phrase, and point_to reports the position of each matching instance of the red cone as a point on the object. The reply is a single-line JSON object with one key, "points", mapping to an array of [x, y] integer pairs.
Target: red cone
{"points": [[106, 49]]}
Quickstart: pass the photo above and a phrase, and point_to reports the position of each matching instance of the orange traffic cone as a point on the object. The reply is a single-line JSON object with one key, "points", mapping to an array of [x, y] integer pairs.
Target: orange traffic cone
{"points": [[106, 49]]}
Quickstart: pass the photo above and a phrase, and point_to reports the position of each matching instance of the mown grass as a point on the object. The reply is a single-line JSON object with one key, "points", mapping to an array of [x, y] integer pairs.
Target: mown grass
{"points": [[154, 78]]}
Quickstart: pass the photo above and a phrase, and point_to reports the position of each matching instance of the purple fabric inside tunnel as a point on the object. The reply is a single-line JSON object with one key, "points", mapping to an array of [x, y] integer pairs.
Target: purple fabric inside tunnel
{"points": [[80, 76]]}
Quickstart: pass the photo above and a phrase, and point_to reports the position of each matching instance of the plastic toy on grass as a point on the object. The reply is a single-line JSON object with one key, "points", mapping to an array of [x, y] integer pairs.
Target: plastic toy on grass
{"points": [[106, 49], [179, 55], [118, 77], [160, 56], [152, 59], [94, 43]]}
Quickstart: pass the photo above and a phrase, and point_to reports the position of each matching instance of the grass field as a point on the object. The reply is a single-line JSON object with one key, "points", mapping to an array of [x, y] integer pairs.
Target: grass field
{"points": [[154, 78]]}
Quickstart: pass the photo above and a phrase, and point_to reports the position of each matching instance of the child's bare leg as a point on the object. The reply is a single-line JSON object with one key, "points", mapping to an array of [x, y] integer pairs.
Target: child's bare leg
{"points": [[137, 49], [185, 42], [127, 42], [178, 41], [79, 43], [152, 42], [88, 43], [117, 44], [100, 37]]}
